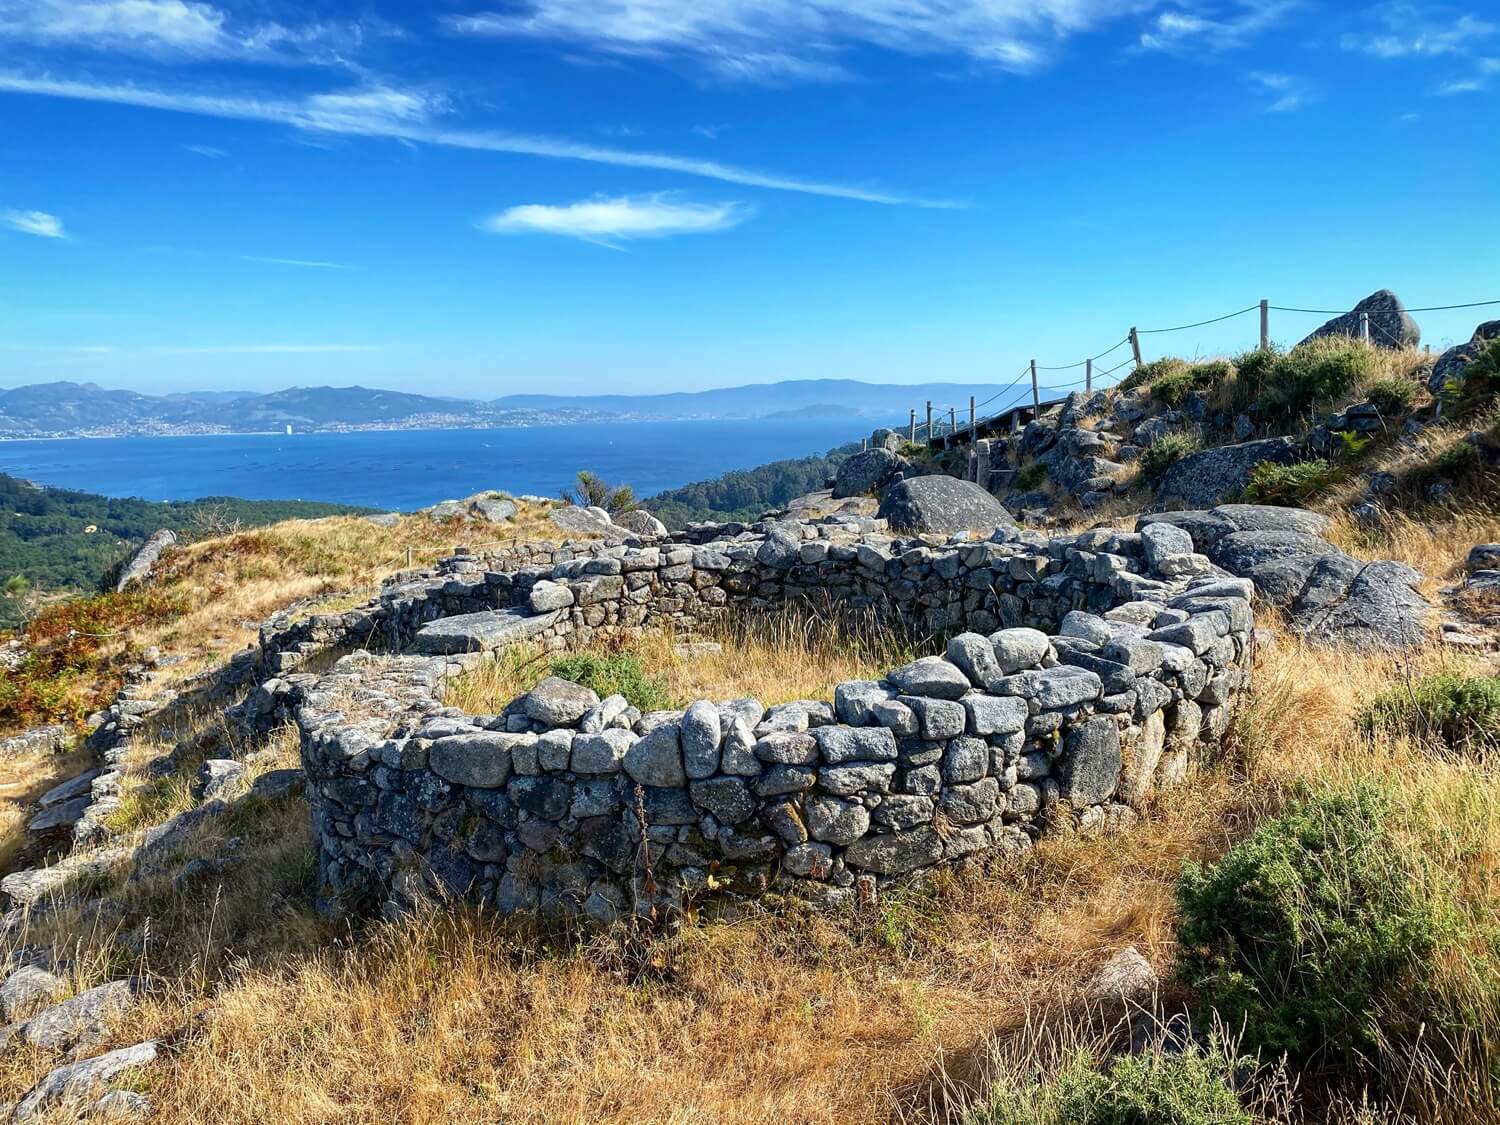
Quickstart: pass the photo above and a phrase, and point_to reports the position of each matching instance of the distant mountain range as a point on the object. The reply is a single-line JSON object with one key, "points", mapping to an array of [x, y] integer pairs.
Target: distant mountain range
{"points": [[66, 409]]}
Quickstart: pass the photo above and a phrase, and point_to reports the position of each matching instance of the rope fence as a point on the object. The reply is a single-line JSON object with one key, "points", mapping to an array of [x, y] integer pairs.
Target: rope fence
{"points": [[1026, 384]]}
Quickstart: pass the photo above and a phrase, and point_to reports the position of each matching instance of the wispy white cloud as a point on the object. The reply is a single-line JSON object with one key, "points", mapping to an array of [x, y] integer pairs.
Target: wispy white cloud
{"points": [[302, 262], [1400, 29], [178, 29], [207, 151], [38, 223], [415, 116], [1461, 86], [802, 40], [1188, 31], [1286, 92], [607, 222]]}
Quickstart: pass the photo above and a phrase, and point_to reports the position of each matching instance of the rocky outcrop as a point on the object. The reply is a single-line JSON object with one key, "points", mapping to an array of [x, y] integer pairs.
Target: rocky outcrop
{"points": [[1449, 367], [1326, 595], [37, 740], [482, 507], [1390, 324], [139, 568], [866, 473], [1212, 476], [942, 506]]}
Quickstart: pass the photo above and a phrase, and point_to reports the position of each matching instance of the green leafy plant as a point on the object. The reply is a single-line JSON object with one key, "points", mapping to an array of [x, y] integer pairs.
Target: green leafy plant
{"points": [[1453, 711], [1163, 454], [1288, 485], [615, 674], [1392, 397], [1316, 935], [1352, 446], [593, 491], [1317, 371], [1190, 1088], [1175, 386]]}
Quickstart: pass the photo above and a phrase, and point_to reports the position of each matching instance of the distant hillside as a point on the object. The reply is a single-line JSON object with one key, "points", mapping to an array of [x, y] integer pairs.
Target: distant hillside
{"points": [[45, 541], [50, 409], [881, 401], [746, 493]]}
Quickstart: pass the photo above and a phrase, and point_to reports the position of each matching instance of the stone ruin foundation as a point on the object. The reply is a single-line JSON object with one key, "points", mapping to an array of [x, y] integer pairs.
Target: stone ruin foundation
{"points": [[1082, 676]]}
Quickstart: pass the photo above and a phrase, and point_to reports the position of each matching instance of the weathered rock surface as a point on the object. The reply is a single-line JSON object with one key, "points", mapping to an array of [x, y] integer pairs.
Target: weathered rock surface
{"points": [[139, 568], [1127, 977], [1327, 596], [944, 506], [1390, 324], [866, 473], [641, 522], [1449, 367], [581, 521], [83, 1018], [1212, 476], [79, 1082], [481, 632]]}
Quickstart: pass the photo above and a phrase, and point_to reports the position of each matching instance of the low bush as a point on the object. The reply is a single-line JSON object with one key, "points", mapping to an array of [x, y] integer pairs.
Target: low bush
{"points": [[1315, 936], [1191, 1088], [1158, 458], [1392, 397], [1174, 387], [1030, 476], [1315, 372], [1456, 712], [614, 674], [1253, 369], [1289, 485], [1148, 373]]}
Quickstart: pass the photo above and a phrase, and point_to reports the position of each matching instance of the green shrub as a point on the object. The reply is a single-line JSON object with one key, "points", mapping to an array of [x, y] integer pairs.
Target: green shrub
{"points": [[1148, 373], [1030, 476], [1158, 458], [616, 674], [1315, 936], [1253, 369], [1288, 485], [593, 491], [1391, 396], [1458, 712], [1315, 372], [1192, 1088], [1175, 386]]}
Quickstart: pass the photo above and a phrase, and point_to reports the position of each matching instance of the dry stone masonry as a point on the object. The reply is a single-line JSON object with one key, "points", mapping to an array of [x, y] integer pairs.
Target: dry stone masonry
{"points": [[1081, 675]]}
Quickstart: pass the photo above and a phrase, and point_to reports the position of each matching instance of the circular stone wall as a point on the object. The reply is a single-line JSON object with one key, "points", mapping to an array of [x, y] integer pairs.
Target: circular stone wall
{"points": [[569, 804]]}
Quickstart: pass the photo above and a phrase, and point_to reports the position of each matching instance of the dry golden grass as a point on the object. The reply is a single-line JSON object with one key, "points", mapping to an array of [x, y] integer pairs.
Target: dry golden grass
{"points": [[23, 779], [792, 653]]}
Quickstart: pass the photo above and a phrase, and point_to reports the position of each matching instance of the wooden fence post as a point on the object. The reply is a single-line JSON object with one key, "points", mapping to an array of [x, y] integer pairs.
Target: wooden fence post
{"points": [[972, 431], [1265, 324], [929, 420], [1036, 394], [1088, 376], [1135, 346], [1364, 327], [408, 558], [952, 423], [912, 436]]}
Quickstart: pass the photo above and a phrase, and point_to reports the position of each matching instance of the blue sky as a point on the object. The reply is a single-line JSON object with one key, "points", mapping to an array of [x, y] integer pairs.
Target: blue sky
{"points": [[476, 198]]}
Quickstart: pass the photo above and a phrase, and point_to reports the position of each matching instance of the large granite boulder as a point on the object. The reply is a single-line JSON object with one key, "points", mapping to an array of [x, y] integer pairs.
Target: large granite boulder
{"points": [[581, 521], [139, 568], [641, 522], [1390, 324], [1213, 475], [942, 505], [866, 473], [1450, 365]]}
